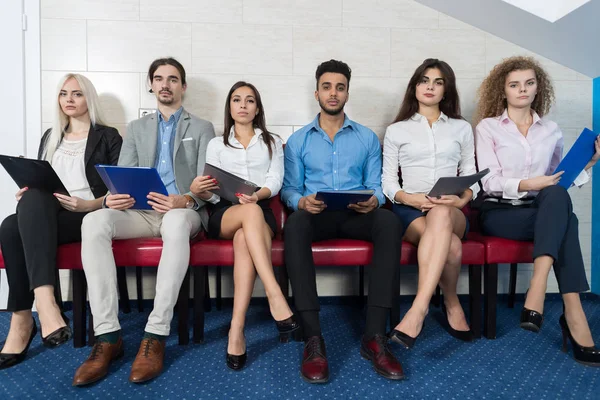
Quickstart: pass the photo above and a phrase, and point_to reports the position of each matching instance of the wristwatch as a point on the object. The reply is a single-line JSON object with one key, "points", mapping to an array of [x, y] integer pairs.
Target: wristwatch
{"points": [[191, 203]]}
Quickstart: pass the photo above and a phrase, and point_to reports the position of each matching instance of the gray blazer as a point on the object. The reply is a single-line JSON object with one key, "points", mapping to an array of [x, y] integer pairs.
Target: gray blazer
{"points": [[189, 150]]}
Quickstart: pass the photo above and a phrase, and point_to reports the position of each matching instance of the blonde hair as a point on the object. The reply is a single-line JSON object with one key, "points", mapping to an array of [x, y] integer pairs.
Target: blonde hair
{"points": [[491, 97], [61, 120]]}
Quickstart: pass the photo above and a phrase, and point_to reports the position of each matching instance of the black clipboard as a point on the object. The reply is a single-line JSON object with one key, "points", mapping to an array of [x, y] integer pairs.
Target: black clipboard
{"points": [[34, 174], [456, 185], [229, 184]]}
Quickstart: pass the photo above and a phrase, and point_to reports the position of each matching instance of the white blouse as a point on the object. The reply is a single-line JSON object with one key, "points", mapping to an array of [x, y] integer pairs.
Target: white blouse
{"points": [[426, 153], [252, 163], [69, 163]]}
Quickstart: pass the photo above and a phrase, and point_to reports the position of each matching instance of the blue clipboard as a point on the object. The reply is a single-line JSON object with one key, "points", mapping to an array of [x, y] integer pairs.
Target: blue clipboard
{"points": [[577, 158], [134, 181], [340, 199]]}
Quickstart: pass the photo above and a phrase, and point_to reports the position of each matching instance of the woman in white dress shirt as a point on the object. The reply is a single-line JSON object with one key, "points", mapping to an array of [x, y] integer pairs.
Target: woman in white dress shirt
{"points": [[429, 140], [29, 239], [523, 198], [248, 150]]}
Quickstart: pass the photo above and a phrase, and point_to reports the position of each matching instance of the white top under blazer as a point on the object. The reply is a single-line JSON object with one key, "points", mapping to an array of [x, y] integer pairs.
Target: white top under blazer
{"points": [[69, 163], [426, 153], [252, 163]]}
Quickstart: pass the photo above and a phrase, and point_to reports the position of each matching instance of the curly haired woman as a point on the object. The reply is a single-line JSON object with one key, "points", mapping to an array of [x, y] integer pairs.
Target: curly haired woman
{"points": [[523, 199]]}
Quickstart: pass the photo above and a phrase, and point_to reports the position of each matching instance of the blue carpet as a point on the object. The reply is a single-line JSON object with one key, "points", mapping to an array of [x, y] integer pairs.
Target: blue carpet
{"points": [[518, 364]]}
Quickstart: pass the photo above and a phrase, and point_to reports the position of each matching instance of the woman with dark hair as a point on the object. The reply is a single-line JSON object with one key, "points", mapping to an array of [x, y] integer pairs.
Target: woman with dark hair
{"points": [[29, 239], [248, 150], [523, 200], [429, 140]]}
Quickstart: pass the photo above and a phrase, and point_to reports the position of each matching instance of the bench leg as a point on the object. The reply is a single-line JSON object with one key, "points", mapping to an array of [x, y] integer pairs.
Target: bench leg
{"points": [[475, 299], [490, 276], [207, 305], [218, 283], [138, 285], [183, 310], [199, 297], [58, 291], [436, 298], [361, 286], [79, 308], [512, 287], [123, 293]]}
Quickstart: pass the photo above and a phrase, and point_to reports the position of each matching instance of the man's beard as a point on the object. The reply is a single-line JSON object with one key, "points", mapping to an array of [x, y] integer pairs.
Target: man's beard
{"points": [[168, 101], [332, 111]]}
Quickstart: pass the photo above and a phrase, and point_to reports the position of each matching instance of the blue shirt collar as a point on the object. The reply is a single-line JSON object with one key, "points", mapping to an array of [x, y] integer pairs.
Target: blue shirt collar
{"points": [[314, 125], [174, 117]]}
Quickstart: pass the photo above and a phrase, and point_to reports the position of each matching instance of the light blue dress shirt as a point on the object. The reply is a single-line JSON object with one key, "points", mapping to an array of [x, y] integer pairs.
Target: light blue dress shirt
{"points": [[164, 156], [313, 162]]}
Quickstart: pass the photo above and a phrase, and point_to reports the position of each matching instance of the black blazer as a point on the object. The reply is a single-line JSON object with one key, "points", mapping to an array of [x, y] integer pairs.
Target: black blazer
{"points": [[103, 147]]}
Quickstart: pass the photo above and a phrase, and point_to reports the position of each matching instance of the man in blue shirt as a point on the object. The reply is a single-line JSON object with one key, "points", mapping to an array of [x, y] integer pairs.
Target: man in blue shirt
{"points": [[335, 153], [174, 142]]}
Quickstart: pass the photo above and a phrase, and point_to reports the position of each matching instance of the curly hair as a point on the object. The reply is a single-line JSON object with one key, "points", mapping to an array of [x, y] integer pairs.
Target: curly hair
{"points": [[491, 98]]}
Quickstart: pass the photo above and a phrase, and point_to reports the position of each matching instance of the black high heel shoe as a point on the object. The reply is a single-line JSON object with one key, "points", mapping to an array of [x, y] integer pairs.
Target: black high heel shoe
{"points": [[589, 356], [234, 362], [465, 336], [59, 336], [288, 325], [8, 360], [403, 339], [531, 320]]}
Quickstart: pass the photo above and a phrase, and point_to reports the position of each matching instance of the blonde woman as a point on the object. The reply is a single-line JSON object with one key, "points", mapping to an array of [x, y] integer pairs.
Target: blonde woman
{"points": [[523, 200], [29, 239]]}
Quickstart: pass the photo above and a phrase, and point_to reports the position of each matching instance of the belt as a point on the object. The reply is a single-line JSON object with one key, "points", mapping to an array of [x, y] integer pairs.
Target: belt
{"points": [[516, 202]]}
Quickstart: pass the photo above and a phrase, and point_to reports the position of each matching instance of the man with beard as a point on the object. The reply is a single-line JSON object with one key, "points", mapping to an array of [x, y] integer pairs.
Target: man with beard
{"points": [[174, 142], [336, 153]]}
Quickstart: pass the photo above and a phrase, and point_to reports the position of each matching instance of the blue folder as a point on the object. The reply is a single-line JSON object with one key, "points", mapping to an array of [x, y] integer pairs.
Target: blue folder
{"points": [[577, 158], [340, 199], [134, 181]]}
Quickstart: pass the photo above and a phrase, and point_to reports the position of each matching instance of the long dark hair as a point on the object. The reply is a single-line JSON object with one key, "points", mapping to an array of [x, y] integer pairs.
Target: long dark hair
{"points": [[450, 104], [258, 122]]}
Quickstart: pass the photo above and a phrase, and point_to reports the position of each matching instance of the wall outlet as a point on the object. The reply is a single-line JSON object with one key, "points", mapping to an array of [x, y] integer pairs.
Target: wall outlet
{"points": [[145, 111]]}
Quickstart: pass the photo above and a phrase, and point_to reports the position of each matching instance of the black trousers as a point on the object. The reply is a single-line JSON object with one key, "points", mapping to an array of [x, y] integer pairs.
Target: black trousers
{"points": [[29, 240], [550, 222], [380, 226]]}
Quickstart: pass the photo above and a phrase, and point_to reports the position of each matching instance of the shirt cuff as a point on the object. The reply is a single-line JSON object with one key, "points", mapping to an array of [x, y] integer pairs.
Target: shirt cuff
{"points": [[511, 189], [380, 199], [475, 190], [582, 179], [293, 200], [214, 199]]}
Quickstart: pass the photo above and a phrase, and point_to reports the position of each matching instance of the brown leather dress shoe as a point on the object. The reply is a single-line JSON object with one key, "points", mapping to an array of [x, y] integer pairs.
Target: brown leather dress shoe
{"points": [[384, 363], [315, 368], [96, 366], [148, 363]]}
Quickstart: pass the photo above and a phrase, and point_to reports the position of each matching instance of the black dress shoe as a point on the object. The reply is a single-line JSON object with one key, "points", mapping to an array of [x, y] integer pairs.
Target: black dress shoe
{"points": [[288, 325], [589, 356], [59, 336], [8, 360], [531, 320], [234, 362], [465, 336]]}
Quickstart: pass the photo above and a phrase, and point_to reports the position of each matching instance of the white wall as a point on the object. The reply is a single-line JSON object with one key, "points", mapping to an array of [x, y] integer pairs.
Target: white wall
{"points": [[277, 44], [568, 41]]}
